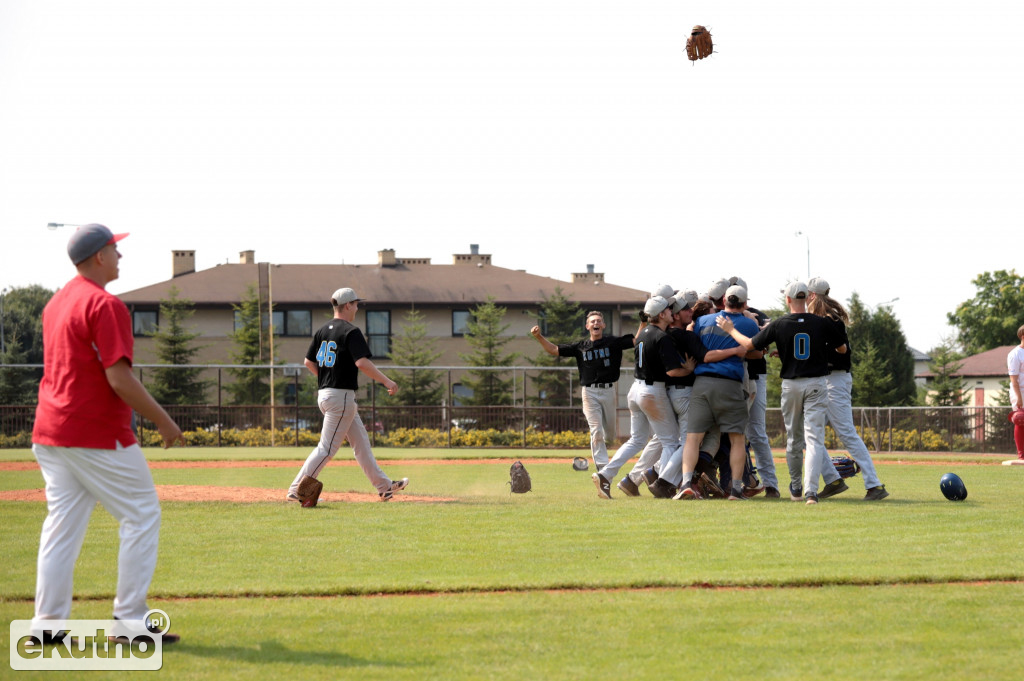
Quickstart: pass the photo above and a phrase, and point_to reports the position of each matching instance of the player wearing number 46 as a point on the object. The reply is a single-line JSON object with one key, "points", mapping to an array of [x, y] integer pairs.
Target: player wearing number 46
{"points": [[803, 341], [336, 356]]}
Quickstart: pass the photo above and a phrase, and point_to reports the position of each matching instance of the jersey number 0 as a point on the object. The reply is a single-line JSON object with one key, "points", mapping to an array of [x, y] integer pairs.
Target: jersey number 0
{"points": [[801, 346], [326, 355]]}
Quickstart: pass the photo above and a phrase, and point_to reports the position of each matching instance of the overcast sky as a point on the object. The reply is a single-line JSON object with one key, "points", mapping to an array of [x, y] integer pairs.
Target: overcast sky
{"points": [[553, 133]]}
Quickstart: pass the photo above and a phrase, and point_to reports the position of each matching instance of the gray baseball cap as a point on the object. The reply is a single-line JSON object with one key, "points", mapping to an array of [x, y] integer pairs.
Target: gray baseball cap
{"points": [[738, 281], [818, 285], [664, 290], [718, 289], [797, 290], [736, 291], [344, 295], [684, 300], [655, 306], [87, 241]]}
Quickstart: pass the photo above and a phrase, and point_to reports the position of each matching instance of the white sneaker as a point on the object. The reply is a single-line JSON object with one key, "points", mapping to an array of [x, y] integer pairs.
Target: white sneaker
{"points": [[396, 486]]}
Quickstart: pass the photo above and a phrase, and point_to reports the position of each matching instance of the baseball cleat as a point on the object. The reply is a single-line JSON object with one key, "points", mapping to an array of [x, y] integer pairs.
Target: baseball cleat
{"points": [[876, 493], [811, 499], [796, 492], [833, 488], [771, 493], [604, 488], [292, 496], [662, 489], [628, 487], [396, 486], [688, 493], [650, 475]]}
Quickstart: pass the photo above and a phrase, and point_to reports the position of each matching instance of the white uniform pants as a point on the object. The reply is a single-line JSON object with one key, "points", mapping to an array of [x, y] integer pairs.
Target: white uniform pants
{"points": [[840, 415], [649, 411], [76, 478], [804, 408], [757, 434], [599, 407], [341, 421]]}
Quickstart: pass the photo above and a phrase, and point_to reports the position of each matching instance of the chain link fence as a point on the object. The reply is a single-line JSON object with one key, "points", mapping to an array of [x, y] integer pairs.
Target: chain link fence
{"points": [[294, 418]]}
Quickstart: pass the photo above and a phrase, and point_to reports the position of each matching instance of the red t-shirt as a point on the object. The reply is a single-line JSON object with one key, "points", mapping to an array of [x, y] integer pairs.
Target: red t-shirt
{"points": [[85, 331]]}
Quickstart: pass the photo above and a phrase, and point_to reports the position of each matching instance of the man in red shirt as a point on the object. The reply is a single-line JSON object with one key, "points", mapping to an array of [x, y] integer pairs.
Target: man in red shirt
{"points": [[83, 439]]}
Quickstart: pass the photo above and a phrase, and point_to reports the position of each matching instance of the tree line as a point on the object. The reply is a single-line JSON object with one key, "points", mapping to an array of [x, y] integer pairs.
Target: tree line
{"points": [[883, 366]]}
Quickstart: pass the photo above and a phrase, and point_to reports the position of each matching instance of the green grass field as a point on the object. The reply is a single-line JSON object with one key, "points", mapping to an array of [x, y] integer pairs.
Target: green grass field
{"points": [[558, 584]]}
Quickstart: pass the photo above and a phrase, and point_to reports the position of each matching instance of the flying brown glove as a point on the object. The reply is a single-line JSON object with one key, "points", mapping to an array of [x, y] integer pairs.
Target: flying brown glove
{"points": [[699, 45], [309, 491]]}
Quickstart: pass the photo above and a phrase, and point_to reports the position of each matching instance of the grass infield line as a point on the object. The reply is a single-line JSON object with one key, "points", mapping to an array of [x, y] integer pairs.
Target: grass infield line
{"points": [[568, 588]]}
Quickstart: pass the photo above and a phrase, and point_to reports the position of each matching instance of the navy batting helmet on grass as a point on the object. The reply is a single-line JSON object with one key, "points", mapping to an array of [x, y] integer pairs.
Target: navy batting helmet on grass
{"points": [[953, 487]]}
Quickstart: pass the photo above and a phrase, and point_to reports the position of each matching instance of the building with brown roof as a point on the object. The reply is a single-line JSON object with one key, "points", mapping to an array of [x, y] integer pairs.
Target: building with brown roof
{"points": [[392, 286], [982, 375]]}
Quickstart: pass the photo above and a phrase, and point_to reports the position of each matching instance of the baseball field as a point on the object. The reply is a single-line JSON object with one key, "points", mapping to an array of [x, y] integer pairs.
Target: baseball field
{"points": [[459, 579]]}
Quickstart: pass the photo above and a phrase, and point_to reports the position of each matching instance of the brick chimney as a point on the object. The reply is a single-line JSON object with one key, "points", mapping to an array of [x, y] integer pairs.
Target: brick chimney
{"points": [[184, 262], [247, 257], [589, 276], [386, 258]]}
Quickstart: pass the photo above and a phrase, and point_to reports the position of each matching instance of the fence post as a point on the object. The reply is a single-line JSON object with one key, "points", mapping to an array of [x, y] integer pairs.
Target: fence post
{"points": [[524, 405], [220, 411], [448, 419], [297, 408]]}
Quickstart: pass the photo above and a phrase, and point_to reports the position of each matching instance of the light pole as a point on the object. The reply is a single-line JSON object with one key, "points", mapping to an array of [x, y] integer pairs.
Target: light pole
{"points": [[3, 343], [54, 225], [808, 252]]}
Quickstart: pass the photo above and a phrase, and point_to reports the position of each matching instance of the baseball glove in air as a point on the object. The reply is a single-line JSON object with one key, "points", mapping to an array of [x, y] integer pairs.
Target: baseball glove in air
{"points": [[520, 479], [699, 45], [309, 491], [845, 466]]}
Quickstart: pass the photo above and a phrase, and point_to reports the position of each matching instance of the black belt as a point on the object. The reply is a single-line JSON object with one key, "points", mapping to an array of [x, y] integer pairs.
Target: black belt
{"points": [[599, 385]]}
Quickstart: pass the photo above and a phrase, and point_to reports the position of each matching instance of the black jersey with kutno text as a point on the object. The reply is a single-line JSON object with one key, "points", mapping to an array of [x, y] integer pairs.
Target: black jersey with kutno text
{"points": [[656, 354], [336, 347], [803, 341], [598, 360]]}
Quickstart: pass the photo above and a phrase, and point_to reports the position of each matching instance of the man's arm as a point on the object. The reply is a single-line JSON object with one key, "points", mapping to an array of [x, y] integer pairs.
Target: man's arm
{"points": [[123, 382], [725, 324], [370, 369], [313, 367], [548, 346]]}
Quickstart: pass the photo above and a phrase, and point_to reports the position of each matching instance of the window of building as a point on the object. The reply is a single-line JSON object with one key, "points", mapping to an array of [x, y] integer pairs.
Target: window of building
{"points": [[144, 322], [286, 322], [378, 332], [460, 322]]}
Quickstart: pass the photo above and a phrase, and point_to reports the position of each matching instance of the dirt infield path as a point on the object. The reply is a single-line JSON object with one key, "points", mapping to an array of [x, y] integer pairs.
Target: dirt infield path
{"points": [[238, 494], [295, 463]]}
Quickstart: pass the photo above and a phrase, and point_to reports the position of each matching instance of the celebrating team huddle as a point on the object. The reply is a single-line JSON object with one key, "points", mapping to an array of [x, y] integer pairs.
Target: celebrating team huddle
{"points": [[698, 400]]}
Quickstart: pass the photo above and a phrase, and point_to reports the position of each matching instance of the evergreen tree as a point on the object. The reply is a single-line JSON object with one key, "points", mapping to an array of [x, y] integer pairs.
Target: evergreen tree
{"points": [[251, 386], [174, 345], [561, 320], [946, 388], [413, 348], [22, 310], [871, 387], [483, 333], [894, 365]]}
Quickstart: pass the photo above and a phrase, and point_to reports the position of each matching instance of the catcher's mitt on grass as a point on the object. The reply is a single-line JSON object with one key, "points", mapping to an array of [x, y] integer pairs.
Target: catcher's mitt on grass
{"points": [[699, 44], [580, 464], [709, 488], [520, 479], [309, 491], [845, 466]]}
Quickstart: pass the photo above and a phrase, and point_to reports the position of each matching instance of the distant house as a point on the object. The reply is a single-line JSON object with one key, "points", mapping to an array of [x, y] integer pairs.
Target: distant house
{"points": [[392, 286], [982, 375], [921, 369]]}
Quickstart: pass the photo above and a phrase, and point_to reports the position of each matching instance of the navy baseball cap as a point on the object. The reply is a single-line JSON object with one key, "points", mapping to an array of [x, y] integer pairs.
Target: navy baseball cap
{"points": [[87, 241]]}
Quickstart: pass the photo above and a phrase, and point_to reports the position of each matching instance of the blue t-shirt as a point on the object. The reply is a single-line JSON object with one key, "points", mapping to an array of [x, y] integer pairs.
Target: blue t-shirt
{"points": [[714, 338]]}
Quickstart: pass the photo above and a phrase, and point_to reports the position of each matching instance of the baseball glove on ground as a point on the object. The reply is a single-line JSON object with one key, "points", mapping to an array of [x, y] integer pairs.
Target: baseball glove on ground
{"points": [[845, 466], [699, 45], [520, 479], [309, 491], [579, 464], [709, 488]]}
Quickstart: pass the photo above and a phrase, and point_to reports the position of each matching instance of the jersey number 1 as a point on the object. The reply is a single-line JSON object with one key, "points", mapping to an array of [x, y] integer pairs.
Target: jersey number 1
{"points": [[326, 355]]}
